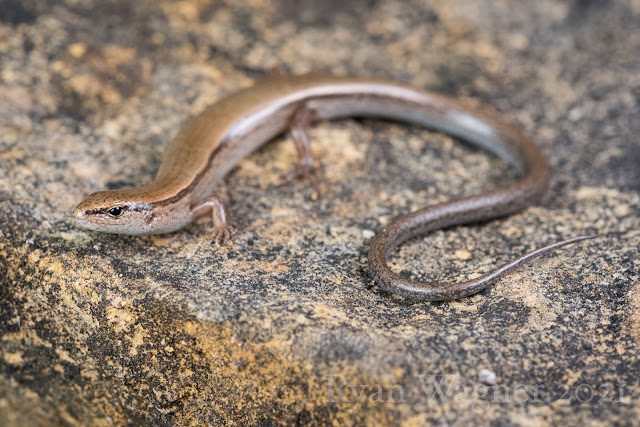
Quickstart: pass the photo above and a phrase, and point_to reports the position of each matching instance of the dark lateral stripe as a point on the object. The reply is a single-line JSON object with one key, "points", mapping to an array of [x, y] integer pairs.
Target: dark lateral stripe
{"points": [[182, 193]]}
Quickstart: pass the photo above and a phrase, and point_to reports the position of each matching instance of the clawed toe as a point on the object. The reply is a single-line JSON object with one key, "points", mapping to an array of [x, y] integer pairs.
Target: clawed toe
{"points": [[222, 234], [298, 172], [302, 172]]}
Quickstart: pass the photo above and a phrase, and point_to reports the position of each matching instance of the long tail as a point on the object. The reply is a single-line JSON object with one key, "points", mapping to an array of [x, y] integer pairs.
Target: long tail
{"points": [[399, 285]]}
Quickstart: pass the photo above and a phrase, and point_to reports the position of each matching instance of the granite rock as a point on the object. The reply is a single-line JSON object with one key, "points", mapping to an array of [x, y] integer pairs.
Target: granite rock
{"points": [[285, 325]]}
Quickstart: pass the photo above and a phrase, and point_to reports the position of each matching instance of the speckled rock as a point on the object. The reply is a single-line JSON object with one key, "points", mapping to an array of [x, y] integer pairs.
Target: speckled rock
{"points": [[285, 325]]}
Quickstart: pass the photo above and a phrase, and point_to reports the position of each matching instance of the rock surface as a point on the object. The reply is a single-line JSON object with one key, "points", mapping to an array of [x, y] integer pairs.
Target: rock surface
{"points": [[285, 325]]}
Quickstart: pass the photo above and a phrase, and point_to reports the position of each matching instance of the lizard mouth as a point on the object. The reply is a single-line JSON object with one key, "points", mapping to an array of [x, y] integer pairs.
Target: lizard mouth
{"points": [[79, 215]]}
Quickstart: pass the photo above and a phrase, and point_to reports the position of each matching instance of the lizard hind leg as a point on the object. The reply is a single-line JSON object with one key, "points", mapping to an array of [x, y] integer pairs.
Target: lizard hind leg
{"points": [[307, 166]]}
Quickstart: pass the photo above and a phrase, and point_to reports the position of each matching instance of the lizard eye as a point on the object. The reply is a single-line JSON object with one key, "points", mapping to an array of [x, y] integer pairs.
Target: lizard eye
{"points": [[116, 212]]}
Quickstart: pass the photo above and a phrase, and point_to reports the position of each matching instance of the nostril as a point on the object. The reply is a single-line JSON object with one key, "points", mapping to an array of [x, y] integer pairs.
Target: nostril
{"points": [[78, 213]]}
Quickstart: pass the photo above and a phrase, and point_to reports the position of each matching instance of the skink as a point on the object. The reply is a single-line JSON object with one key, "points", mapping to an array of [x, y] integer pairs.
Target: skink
{"points": [[211, 143]]}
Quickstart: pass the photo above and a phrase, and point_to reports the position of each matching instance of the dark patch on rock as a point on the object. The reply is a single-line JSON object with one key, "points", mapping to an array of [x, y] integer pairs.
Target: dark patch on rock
{"points": [[17, 12]]}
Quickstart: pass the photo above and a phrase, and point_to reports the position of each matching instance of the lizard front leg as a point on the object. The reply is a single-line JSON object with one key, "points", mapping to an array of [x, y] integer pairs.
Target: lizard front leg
{"points": [[221, 231]]}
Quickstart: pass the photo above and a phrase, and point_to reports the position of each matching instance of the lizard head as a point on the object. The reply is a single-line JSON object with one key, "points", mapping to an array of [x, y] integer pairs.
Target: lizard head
{"points": [[115, 211]]}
